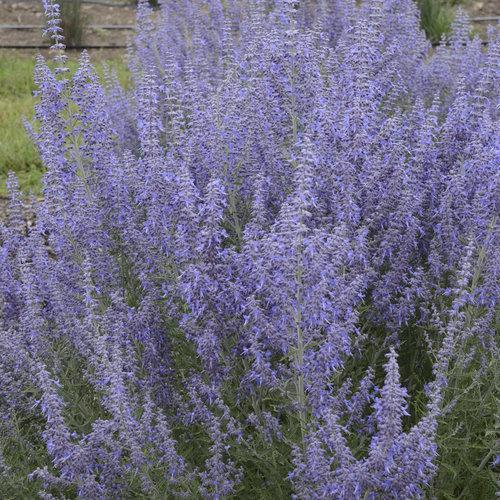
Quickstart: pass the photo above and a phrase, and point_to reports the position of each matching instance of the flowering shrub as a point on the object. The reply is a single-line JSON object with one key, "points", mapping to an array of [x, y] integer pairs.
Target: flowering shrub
{"points": [[265, 269]]}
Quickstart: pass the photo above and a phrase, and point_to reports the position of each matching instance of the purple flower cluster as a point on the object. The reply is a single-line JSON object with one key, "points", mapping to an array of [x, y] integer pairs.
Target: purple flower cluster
{"points": [[226, 250]]}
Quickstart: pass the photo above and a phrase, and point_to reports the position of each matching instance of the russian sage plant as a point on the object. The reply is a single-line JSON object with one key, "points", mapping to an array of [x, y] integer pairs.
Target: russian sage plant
{"points": [[268, 268]]}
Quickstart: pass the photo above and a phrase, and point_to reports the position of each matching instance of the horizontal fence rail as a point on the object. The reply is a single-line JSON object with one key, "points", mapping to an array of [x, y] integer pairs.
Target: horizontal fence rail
{"points": [[41, 27], [131, 27], [124, 46], [78, 47], [106, 3]]}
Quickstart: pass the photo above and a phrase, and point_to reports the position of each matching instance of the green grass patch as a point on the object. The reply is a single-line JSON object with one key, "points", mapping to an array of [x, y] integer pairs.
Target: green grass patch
{"points": [[17, 151], [436, 17]]}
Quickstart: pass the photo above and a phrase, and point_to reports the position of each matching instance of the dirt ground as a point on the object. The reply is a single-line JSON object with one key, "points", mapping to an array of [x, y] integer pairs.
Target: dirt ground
{"points": [[483, 8], [29, 12]]}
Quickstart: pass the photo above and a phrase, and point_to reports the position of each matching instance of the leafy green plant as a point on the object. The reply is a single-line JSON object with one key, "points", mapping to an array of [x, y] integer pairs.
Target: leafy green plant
{"points": [[436, 17], [153, 3], [73, 22]]}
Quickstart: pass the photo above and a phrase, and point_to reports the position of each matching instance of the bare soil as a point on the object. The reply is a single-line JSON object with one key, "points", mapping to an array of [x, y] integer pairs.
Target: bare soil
{"points": [[483, 8], [29, 12]]}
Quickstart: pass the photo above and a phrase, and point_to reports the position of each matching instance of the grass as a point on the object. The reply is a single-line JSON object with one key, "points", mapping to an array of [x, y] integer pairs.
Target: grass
{"points": [[436, 17], [17, 151], [73, 22]]}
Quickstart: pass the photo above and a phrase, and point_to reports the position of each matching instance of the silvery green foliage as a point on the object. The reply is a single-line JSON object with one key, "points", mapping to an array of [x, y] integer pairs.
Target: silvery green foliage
{"points": [[219, 244]]}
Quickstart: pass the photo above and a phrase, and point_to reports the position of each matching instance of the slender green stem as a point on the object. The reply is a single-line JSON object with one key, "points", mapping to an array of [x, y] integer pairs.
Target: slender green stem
{"points": [[299, 352]]}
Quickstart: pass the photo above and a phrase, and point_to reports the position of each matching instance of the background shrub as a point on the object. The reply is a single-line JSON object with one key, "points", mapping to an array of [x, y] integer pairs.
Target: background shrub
{"points": [[73, 22]]}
